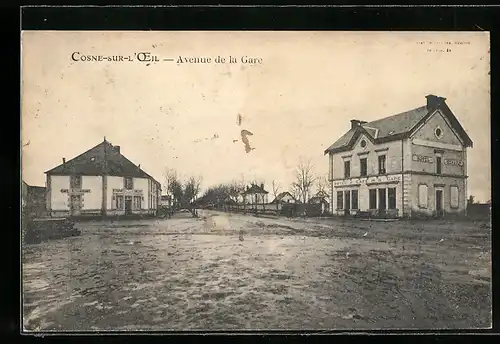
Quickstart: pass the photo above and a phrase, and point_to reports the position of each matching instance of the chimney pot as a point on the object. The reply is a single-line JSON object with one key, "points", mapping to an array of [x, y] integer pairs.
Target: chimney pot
{"points": [[64, 160], [433, 100], [355, 123]]}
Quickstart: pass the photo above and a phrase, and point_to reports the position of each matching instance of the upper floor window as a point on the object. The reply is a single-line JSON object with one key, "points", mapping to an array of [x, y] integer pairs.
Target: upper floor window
{"points": [[438, 165], [381, 164], [76, 182], [363, 167], [438, 132], [347, 169], [129, 183]]}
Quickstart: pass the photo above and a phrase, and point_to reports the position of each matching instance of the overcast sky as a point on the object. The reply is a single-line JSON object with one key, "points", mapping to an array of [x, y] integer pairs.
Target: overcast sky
{"points": [[296, 103]]}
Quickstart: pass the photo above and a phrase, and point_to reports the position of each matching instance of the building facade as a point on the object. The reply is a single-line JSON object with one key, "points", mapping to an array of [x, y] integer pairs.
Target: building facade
{"points": [[413, 163], [101, 182]]}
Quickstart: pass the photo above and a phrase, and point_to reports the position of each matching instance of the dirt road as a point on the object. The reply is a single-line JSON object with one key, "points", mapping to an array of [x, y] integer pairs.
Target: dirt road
{"points": [[185, 273]]}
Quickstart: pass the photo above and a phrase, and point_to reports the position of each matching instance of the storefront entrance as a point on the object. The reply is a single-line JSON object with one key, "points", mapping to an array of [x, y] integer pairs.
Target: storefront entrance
{"points": [[128, 205], [347, 201]]}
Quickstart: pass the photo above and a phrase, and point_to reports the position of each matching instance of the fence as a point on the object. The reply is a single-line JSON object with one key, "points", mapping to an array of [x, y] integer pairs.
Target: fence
{"points": [[285, 209]]}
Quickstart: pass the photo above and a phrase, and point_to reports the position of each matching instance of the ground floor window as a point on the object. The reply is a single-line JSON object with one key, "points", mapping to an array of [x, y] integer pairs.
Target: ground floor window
{"points": [[391, 196], [119, 202], [137, 202], [373, 199], [354, 199], [340, 200]]}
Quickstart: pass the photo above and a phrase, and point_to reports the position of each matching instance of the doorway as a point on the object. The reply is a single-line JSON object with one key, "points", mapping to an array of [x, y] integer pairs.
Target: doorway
{"points": [[439, 202], [382, 205], [128, 205], [347, 202]]}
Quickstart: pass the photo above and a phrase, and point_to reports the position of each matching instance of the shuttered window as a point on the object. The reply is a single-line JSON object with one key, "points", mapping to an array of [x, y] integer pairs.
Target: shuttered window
{"points": [[422, 196]]}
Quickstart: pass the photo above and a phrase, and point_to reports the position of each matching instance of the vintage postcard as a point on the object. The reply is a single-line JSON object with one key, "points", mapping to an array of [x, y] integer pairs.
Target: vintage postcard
{"points": [[176, 181]]}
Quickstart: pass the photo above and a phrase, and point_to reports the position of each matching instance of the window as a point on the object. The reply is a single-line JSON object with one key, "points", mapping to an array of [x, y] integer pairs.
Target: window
{"points": [[422, 196], [391, 195], [137, 202], [129, 183], [438, 165], [363, 143], [438, 132], [373, 198], [347, 169], [340, 200], [363, 167], [381, 164], [454, 196], [354, 199], [381, 199], [76, 182], [119, 202]]}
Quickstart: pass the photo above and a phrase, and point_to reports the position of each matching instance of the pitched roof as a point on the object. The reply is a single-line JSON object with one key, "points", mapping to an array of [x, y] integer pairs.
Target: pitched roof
{"points": [[101, 159], [281, 196], [396, 126], [255, 189]]}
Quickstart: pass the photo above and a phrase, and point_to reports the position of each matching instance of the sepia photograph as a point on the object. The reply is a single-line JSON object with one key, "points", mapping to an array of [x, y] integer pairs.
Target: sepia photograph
{"points": [[255, 180]]}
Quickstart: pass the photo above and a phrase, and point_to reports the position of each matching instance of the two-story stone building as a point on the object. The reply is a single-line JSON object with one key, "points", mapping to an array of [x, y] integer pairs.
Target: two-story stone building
{"points": [[101, 182], [412, 163]]}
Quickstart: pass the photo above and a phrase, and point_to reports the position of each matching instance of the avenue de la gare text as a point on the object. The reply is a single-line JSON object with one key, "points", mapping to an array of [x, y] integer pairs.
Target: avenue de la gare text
{"points": [[149, 57]]}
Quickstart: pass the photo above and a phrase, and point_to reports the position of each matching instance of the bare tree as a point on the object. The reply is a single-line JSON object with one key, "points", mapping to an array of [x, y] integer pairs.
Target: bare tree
{"points": [[322, 185], [191, 189], [294, 191], [170, 181], [276, 188], [304, 179]]}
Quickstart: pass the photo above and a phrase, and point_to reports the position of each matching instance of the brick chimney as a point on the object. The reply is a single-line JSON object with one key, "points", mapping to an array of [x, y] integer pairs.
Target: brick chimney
{"points": [[64, 161], [355, 123], [117, 149], [433, 100], [262, 186]]}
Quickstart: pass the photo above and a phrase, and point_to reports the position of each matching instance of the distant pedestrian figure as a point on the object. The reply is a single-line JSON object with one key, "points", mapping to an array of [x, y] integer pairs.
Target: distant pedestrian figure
{"points": [[241, 235]]}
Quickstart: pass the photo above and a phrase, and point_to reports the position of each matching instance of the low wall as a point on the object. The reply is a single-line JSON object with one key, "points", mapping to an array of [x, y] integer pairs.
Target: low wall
{"points": [[479, 211]]}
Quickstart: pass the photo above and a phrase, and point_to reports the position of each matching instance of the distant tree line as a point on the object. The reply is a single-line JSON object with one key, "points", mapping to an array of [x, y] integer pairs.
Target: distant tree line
{"points": [[181, 192], [301, 189]]}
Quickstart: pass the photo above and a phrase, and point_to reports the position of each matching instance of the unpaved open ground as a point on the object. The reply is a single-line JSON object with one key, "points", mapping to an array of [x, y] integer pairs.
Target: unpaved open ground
{"points": [[185, 273]]}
